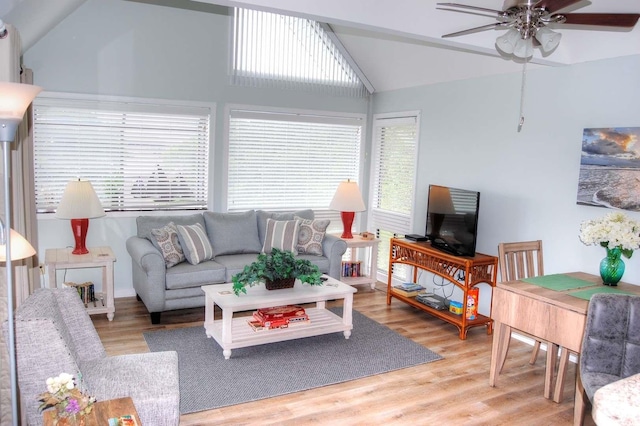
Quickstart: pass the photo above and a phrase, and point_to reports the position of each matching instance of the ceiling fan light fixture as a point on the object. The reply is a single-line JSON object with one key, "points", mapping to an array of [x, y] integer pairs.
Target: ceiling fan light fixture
{"points": [[507, 42], [548, 39], [524, 48]]}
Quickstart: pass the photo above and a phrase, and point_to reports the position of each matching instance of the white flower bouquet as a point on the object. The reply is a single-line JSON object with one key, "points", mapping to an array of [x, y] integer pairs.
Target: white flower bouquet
{"points": [[615, 230], [67, 399]]}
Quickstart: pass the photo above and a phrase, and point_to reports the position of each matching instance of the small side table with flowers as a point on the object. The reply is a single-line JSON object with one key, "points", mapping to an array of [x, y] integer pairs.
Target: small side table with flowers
{"points": [[74, 407], [619, 235]]}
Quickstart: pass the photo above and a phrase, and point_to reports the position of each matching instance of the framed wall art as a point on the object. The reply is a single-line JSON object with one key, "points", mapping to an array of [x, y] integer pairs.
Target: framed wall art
{"points": [[610, 168]]}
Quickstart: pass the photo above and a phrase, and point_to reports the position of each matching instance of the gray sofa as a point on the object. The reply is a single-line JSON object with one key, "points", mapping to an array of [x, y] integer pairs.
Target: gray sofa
{"points": [[55, 335], [236, 240]]}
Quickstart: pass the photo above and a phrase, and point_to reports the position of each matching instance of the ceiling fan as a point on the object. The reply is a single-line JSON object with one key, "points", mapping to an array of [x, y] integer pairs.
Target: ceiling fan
{"points": [[527, 22]]}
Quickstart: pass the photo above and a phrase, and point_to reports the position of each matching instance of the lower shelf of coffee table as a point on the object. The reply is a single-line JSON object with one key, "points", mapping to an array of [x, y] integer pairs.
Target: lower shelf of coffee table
{"points": [[321, 321]]}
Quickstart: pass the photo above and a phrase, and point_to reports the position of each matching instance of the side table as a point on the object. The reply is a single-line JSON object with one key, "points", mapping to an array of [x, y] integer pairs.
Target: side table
{"points": [[354, 244], [98, 257], [102, 412]]}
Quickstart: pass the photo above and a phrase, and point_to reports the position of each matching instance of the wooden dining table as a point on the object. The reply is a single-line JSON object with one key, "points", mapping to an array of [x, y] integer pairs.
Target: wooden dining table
{"points": [[556, 316]]}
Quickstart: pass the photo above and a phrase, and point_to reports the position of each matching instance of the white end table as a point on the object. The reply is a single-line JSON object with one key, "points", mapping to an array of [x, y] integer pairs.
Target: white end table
{"points": [[98, 257], [354, 244]]}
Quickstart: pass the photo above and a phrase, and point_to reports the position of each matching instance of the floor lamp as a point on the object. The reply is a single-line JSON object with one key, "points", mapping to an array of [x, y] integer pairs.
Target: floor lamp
{"points": [[14, 101]]}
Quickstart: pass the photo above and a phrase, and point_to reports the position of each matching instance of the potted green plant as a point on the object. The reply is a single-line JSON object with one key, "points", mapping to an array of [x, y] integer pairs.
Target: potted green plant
{"points": [[278, 269]]}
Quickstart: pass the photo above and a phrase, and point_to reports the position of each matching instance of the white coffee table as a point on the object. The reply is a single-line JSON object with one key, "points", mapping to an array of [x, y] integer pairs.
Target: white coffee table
{"points": [[231, 333]]}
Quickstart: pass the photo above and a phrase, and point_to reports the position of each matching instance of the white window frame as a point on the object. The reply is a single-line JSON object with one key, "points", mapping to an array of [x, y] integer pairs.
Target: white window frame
{"points": [[403, 223], [336, 223], [273, 50], [133, 211]]}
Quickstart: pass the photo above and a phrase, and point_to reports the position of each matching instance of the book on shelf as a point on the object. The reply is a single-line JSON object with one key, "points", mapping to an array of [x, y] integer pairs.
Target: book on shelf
{"points": [[351, 268]]}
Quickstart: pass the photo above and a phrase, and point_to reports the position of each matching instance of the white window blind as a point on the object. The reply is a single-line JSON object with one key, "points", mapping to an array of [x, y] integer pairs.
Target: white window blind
{"points": [[394, 173], [272, 50], [290, 161], [138, 155]]}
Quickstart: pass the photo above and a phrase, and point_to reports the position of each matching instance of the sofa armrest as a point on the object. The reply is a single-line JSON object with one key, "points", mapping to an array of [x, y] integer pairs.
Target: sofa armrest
{"points": [[149, 272], [333, 248]]}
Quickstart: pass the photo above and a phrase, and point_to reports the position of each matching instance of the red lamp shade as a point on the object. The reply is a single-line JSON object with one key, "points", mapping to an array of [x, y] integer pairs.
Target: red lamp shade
{"points": [[79, 203], [347, 200]]}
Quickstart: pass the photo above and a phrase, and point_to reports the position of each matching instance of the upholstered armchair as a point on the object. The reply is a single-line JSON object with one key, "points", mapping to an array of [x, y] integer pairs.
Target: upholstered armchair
{"points": [[54, 335], [610, 347]]}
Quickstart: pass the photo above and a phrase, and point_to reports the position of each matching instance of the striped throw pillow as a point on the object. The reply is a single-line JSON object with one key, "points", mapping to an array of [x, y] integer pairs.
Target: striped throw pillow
{"points": [[281, 234], [195, 243]]}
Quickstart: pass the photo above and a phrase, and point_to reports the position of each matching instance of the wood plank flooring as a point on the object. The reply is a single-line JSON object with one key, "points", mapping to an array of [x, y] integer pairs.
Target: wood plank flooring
{"points": [[454, 390]]}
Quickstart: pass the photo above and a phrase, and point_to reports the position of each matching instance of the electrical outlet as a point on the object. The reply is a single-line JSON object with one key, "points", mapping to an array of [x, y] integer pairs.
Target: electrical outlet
{"points": [[41, 266]]}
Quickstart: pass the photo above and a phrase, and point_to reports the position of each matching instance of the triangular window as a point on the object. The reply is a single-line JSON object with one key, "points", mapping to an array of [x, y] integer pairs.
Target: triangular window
{"points": [[271, 50]]}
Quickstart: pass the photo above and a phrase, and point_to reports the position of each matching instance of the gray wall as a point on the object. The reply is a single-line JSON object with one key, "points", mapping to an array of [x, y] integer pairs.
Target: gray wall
{"points": [[528, 180], [123, 48]]}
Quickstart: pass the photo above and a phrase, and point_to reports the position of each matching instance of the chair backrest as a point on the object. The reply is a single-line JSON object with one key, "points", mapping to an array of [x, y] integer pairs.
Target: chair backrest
{"points": [[54, 335], [520, 260], [611, 342]]}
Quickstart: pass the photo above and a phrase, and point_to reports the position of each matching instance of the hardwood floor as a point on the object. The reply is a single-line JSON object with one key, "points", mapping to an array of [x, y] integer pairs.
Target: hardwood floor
{"points": [[454, 390]]}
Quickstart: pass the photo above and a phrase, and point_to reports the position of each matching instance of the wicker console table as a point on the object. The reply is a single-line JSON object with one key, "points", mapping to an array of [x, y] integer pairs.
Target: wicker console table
{"points": [[463, 272]]}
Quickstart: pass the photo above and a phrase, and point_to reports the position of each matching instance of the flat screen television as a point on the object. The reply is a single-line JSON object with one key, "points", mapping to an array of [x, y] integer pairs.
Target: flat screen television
{"points": [[452, 219]]}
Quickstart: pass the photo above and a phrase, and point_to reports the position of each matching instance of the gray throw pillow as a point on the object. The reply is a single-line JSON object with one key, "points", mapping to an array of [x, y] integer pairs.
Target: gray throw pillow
{"points": [[195, 243], [310, 235], [281, 234], [169, 244], [233, 233]]}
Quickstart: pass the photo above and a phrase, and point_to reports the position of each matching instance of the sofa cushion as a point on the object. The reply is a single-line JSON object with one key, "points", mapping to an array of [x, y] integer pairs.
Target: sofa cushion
{"points": [[195, 243], [264, 215], [167, 239], [310, 235], [235, 263], [233, 233], [282, 235], [146, 223], [186, 275]]}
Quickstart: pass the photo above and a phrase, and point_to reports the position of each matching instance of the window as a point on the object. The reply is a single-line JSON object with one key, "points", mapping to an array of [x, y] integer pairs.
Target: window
{"points": [[279, 160], [394, 173], [288, 52], [138, 154]]}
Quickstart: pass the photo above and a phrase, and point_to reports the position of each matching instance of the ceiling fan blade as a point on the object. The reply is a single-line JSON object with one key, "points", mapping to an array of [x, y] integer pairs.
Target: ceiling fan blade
{"points": [[626, 20], [476, 29], [465, 6], [554, 5]]}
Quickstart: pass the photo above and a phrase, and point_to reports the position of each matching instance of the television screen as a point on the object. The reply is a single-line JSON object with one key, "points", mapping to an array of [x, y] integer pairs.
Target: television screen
{"points": [[452, 219]]}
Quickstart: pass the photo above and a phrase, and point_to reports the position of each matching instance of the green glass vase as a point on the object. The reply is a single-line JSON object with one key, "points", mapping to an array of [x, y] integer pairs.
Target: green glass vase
{"points": [[612, 267]]}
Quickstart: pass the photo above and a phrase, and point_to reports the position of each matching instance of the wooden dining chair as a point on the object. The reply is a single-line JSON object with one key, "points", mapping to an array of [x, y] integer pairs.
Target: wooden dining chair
{"points": [[521, 260], [524, 259]]}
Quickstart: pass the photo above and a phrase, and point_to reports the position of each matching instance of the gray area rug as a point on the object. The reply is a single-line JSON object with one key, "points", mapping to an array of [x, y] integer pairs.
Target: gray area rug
{"points": [[208, 381]]}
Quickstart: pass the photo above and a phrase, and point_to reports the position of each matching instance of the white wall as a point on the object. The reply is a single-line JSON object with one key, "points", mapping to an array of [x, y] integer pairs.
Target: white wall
{"points": [[123, 48], [528, 180]]}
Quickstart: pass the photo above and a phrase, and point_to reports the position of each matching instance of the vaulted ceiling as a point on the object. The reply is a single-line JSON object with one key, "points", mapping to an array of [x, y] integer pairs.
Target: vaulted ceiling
{"points": [[397, 43]]}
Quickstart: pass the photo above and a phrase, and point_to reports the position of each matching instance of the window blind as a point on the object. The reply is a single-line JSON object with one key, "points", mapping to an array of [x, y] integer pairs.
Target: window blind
{"points": [[394, 173], [137, 155], [290, 161], [272, 50]]}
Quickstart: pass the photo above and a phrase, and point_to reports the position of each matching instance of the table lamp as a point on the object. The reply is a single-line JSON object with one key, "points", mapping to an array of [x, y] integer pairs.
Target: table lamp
{"points": [[347, 200], [14, 101], [79, 203]]}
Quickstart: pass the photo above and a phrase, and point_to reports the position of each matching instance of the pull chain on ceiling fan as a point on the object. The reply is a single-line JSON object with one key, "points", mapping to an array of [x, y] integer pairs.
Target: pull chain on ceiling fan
{"points": [[526, 23]]}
